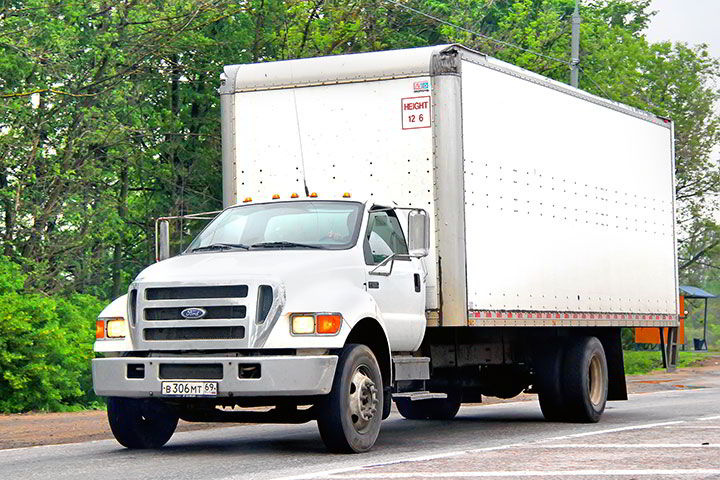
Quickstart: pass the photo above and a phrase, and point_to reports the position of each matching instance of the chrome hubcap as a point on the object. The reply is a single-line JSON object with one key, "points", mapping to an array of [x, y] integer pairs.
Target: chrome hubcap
{"points": [[363, 399]]}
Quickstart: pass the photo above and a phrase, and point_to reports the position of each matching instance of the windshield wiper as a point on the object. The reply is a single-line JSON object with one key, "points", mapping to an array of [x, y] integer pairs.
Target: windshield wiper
{"points": [[284, 244], [220, 246]]}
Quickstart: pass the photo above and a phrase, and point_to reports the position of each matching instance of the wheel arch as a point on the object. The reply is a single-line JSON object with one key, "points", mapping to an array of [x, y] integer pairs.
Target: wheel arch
{"points": [[369, 332]]}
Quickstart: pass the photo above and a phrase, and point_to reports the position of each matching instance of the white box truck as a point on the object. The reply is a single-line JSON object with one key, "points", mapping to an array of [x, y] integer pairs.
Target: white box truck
{"points": [[428, 226]]}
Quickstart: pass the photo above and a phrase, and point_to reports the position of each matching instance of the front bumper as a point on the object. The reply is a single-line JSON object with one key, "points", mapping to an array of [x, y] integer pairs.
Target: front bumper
{"points": [[279, 375]]}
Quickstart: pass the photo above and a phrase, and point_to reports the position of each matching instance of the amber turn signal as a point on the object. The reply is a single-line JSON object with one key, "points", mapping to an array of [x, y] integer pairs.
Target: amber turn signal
{"points": [[99, 329], [294, 195], [328, 324]]}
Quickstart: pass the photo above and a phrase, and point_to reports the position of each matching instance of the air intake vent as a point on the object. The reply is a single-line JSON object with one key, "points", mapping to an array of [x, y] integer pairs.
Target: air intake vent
{"points": [[265, 300], [190, 371], [212, 313], [195, 333], [181, 293], [132, 309]]}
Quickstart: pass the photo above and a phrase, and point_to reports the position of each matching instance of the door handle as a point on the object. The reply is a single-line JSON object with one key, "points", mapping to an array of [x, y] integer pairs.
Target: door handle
{"points": [[417, 282], [373, 284]]}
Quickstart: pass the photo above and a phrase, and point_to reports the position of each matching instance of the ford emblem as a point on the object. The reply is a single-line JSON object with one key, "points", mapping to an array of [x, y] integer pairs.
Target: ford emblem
{"points": [[193, 313]]}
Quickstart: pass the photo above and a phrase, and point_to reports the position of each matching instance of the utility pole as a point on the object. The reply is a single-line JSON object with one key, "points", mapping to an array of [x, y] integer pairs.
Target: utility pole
{"points": [[575, 47]]}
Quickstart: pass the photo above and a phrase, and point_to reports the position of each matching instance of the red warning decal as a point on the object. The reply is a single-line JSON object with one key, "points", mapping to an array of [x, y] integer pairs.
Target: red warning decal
{"points": [[415, 112]]}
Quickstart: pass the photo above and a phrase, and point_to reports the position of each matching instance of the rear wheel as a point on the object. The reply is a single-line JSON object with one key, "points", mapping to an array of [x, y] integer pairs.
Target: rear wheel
{"points": [[350, 415], [140, 423], [433, 409], [585, 380], [549, 371]]}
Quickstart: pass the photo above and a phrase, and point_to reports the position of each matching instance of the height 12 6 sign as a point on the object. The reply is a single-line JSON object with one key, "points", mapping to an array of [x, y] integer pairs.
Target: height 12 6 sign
{"points": [[415, 112]]}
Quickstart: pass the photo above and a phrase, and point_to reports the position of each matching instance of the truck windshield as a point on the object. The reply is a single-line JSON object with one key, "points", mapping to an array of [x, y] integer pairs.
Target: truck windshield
{"points": [[283, 225]]}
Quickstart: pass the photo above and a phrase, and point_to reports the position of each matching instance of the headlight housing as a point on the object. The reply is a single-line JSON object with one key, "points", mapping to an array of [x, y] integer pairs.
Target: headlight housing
{"points": [[111, 328], [315, 323]]}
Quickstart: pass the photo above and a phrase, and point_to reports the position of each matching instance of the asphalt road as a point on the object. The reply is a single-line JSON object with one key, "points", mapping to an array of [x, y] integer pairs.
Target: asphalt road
{"points": [[670, 434]]}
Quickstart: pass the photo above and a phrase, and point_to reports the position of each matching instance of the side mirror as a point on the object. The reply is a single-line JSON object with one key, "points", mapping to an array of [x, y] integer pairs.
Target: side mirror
{"points": [[418, 233], [162, 248]]}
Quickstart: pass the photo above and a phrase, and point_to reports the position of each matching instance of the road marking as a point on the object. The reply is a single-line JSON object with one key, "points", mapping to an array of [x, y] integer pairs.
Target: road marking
{"points": [[714, 417], [613, 430], [625, 445], [530, 473], [534, 444], [423, 458], [695, 427]]}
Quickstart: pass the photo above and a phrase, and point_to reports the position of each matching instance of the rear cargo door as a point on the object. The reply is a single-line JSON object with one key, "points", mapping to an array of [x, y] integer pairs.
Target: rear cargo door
{"points": [[400, 295]]}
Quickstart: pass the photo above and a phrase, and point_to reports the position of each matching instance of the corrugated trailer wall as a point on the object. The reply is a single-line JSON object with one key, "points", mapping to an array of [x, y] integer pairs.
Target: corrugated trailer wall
{"points": [[569, 205]]}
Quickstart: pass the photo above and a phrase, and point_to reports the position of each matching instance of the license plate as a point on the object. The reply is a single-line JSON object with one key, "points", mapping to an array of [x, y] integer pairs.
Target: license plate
{"points": [[189, 389]]}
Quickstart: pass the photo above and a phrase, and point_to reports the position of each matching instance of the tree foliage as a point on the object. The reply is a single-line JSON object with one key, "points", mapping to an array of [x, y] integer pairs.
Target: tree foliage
{"points": [[45, 346]]}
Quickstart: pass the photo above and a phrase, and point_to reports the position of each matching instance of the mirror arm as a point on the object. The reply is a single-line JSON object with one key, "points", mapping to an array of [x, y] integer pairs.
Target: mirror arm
{"points": [[391, 259]]}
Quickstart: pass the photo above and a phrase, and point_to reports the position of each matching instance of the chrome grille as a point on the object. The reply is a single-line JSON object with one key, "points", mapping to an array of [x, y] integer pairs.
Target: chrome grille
{"points": [[229, 320]]}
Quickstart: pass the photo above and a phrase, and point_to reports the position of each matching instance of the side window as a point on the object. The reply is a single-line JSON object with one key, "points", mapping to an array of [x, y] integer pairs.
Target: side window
{"points": [[384, 237]]}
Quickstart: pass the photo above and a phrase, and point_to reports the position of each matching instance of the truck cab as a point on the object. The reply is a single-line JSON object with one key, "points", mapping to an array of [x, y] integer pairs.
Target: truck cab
{"points": [[262, 306]]}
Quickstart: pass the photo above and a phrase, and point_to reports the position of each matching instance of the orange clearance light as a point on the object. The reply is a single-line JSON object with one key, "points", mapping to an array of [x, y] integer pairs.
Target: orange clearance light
{"points": [[276, 196], [346, 195], [247, 199], [328, 324], [99, 329], [294, 195], [313, 195]]}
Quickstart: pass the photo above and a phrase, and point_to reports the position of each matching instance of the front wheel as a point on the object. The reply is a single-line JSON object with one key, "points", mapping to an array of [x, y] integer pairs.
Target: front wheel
{"points": [[140, 423], [349, 416]]}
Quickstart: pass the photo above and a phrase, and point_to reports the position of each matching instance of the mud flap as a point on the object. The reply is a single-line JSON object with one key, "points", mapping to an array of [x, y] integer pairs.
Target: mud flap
{"points": [[612, 344]]}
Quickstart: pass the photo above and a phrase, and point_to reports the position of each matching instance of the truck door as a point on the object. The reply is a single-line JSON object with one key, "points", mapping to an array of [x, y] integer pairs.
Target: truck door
{"points": [[400, 295]]}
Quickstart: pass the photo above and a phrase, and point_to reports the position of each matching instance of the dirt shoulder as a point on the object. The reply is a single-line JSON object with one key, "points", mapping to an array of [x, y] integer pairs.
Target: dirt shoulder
{"points": [[30, 429]]}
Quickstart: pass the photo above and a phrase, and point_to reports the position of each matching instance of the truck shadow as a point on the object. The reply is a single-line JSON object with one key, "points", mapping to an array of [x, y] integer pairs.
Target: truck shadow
{"points": [[396, 434]]}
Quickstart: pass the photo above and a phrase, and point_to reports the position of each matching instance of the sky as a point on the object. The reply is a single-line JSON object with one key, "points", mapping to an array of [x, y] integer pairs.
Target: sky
{"points": [[690, 21]]}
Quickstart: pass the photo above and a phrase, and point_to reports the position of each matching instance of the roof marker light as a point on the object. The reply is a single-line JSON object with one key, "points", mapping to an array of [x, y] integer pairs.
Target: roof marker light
{"points": [[247, 199], [276, 196], [346, 195], [294, 195], [313, 195]]}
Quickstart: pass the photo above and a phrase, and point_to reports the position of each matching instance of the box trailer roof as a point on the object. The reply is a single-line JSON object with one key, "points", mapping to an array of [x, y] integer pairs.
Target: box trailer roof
{"points": [[385, 65]]}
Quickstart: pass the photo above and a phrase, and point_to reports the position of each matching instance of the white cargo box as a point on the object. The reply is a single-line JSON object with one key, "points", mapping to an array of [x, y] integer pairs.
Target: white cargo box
{"points": [[551, 206]]}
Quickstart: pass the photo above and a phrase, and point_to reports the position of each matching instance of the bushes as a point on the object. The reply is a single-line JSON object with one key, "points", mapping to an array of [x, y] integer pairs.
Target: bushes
{"points": [[45, 347]]}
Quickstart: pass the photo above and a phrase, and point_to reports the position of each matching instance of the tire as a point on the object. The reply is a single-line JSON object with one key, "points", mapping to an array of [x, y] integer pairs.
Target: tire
{"points": [[433, 409], [585, 380], [350, 415], [549, 366], [141, 423], [387, 403]]}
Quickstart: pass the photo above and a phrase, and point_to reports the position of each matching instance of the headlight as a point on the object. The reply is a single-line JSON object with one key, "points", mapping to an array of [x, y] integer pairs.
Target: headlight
{"points": [[303, 324], [316, 323], [111, 328]]}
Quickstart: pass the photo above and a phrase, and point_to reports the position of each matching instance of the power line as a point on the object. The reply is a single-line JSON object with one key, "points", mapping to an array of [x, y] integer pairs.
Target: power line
{"points": [[473, 32]]}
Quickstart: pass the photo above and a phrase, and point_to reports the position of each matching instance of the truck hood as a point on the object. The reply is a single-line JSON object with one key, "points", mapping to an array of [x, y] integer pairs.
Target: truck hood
{"points": [[232, 265]]}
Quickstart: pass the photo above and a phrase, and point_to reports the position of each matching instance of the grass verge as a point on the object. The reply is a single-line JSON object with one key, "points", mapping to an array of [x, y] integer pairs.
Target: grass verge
{"points": [[639, 362]]}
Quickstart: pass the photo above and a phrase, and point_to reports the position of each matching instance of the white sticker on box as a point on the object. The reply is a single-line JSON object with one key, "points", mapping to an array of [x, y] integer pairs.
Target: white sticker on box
{"points": [[415, 112]]}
